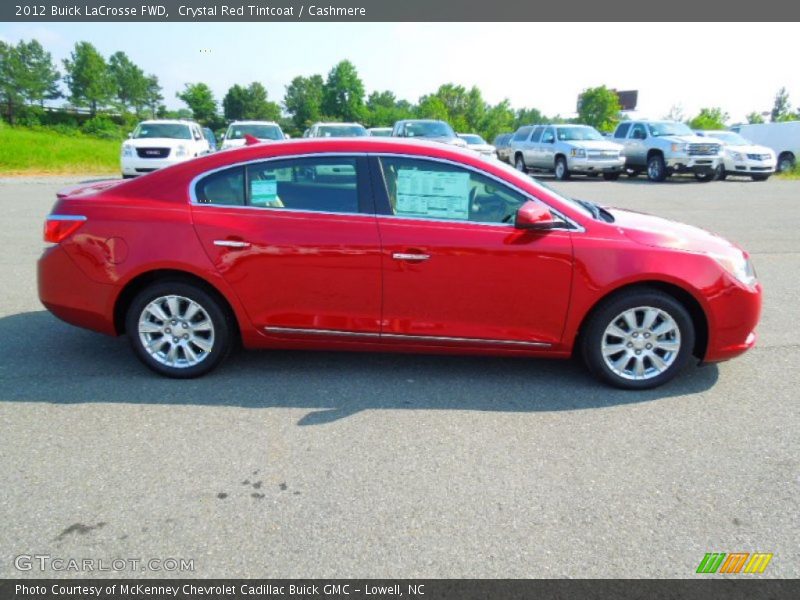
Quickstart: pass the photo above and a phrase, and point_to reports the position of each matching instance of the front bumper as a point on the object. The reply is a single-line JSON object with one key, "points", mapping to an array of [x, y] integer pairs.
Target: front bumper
{"points": [[133, 165], [692, 164], [595, 165], [749, 166], [733, 318]]}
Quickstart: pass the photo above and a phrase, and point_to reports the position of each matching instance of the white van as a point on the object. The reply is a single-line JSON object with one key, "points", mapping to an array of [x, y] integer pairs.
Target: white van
{"points": [[782, 138]]}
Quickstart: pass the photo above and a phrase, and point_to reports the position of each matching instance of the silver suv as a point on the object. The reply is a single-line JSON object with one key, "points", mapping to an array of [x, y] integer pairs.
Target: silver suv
{"points": [[566, 149], [662, 148]]}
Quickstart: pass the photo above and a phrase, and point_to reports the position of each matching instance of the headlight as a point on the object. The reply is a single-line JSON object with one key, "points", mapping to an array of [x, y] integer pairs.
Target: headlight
{"points": [[578, 152], [679, 147], [739, 266], [181, 151], [736, 155], [127, 150]]}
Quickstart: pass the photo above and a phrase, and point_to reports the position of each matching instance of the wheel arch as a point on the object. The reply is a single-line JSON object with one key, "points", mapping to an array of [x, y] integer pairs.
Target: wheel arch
{"points": [[143, 280], [653, 151], [686, 298]]}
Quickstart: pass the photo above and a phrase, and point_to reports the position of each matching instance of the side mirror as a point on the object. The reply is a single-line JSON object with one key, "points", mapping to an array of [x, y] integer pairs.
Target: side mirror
{"points": [[222, 137], [130, 135], [535, 216]]}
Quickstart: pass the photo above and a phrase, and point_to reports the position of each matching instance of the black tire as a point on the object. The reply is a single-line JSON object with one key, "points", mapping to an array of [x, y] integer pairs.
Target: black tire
{"points": [[786, 162], [656, 169], [705, 176], [609, 311], [560, 169], [519, 164], [762, 177], [220, 341], [593, 175], [721, 173], [611, 176]]}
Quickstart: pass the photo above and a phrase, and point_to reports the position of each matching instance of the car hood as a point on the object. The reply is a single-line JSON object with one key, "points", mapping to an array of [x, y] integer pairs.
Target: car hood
{"points": [[455, 141], [658, 232], [688, 139], [595, 145], [156, 142], [481, 147], [750, 149]]}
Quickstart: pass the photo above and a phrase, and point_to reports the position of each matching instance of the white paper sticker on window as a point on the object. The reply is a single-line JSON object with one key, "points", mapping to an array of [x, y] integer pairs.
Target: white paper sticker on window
{"points": [[264, 192], [435, 194]]}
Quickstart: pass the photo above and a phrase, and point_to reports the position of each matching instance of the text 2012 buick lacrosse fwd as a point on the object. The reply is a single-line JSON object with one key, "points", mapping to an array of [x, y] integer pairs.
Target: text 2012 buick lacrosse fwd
{"points": [[388, 245]]}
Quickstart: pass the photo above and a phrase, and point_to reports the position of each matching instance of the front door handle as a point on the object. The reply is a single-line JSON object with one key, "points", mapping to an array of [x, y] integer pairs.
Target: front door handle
{"points": [[410, 257], [231, 243]]}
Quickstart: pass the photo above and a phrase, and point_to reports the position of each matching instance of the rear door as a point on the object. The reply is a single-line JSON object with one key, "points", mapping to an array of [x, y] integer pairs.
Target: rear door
{"points": [[297, 240]]}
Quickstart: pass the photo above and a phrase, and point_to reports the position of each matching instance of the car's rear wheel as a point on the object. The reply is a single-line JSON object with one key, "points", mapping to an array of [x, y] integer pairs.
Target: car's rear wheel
{"points": [[638, 339], [178, 329], [561, 169], [721, 173], [656, 169], [611, 176], [519, 164], [705, 176], [786, 162]]}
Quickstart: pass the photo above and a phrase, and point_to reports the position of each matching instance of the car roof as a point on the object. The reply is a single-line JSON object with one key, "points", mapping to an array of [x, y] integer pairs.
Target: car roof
{"points": [[168, 122], [254, 122], [337, 124]]}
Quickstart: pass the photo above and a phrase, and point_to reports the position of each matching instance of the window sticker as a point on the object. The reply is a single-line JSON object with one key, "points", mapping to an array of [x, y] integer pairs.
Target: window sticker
{"points": [[434, 194], [264, 192]]}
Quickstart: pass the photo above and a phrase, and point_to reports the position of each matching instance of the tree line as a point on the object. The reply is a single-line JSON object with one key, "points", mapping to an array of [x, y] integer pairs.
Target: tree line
{"points": [[116, 85]]}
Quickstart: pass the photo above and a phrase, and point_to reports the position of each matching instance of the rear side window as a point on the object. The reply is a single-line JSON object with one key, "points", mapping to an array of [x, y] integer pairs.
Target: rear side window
{"points": [[223, 187], [537, 134], [522, 134], [622, 130], [325, 184]]}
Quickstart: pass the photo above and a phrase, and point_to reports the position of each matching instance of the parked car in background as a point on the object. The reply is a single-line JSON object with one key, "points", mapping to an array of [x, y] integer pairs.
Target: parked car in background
{"points": [[741, 156], [502, 145], [662, 148], [565, 150], [782, 138], [242, 247], [159, 143], [212, 139], [429, 129], [336, 130], [477, 144], [380, 131], [265, 131]]}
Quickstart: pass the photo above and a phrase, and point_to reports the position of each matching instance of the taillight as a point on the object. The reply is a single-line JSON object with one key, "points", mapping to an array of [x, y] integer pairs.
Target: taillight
{"points": [[57, 228]]}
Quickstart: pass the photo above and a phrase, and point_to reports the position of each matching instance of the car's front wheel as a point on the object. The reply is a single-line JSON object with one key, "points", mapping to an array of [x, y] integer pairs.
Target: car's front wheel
{"points": [[638, 339], [656, 169], [561, 169], [706, 176], [178, 329], [519, 164]]}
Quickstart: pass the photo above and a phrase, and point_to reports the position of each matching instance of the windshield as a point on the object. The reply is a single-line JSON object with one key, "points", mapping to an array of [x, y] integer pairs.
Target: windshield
{"points": [[257, 130], [517, 177], [429, 129], [577, 134], [381, 132], [472, 139], [163, 130], [730, 138], [341, 131], [661, 129]]}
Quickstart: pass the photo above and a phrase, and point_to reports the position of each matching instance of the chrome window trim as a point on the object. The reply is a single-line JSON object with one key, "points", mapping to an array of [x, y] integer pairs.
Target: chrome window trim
{"points": [[573, 226], [65, 218], [399, 336]]}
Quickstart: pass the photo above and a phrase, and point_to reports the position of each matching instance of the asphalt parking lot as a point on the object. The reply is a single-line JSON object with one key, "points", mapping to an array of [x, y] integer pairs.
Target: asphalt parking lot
{"points": [[354, 465]]}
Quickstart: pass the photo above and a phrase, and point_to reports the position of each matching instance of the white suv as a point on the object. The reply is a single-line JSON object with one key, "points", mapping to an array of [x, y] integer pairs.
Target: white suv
{"points": [[161, 143], [265, 131]]}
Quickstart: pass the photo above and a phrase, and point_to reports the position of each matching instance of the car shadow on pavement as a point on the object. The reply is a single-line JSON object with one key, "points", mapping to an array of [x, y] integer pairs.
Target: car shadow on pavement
{"points": [[45, 360]]}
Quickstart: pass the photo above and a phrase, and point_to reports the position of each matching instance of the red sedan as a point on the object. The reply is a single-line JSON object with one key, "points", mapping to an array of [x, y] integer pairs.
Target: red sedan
{"points": [[386, 245]]}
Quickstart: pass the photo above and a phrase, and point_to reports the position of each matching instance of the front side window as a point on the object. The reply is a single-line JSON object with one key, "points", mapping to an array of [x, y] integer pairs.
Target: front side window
{"points": [[548, 137], [418, 188], [638, 132]]}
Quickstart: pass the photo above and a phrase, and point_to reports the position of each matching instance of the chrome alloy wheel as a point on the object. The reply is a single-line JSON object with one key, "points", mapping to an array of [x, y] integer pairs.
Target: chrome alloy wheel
{"points": [[176, 331], [641, 343]]}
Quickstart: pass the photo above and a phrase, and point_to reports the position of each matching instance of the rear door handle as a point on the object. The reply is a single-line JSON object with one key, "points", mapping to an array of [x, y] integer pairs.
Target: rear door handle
{"points": [[410, 256], [231, 244]]}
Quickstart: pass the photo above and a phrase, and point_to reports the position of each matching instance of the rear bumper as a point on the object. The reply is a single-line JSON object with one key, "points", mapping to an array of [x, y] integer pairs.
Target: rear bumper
{"points": [[70, 295], [733, 320]]}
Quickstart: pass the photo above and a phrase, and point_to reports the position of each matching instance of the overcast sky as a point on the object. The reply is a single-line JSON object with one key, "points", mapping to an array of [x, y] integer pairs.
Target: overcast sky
{"points": [[738, 67]]}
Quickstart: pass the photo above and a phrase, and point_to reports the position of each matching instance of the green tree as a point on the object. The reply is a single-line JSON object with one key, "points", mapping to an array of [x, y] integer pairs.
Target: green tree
{"points": [[709, 118], [528, 116], [432, 107], [497, 119], [200, 100], [249, 103], [755, 117], [152, 96], [343, 93], [40, 77], [303, 100], [675, 113], [88, 78], [781, 108], [383, 109], [600, 108], [130, 81], [11, 71]]}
